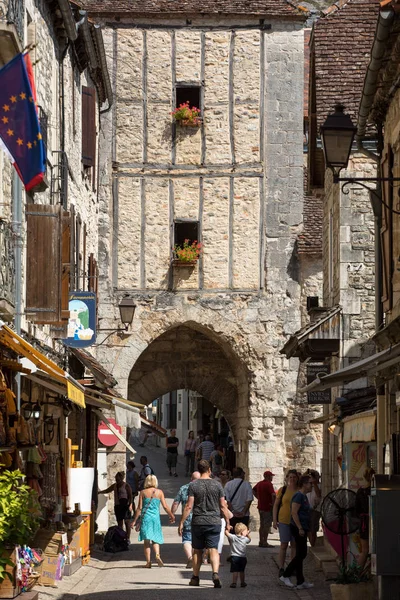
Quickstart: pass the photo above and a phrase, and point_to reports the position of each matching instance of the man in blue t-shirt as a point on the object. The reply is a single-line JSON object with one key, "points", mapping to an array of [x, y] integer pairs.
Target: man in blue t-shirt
{"points": [[180, 499]]}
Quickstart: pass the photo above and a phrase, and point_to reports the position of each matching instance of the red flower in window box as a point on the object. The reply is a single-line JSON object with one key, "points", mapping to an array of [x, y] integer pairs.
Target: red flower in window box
{"points": [[186, 115], [188, 254]]}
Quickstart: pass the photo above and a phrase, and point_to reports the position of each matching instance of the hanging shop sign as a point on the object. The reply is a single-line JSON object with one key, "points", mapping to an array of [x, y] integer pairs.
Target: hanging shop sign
{"points": [[82, 320], [314, 370], [106, 434]]}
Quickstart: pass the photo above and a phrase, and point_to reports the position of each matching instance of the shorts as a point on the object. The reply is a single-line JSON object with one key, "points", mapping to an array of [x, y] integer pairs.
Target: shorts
{"points": [[315, 516], [122, 512], [285, 533], [187, 536], [265, 518], [172, 459], [238, 564], [235, 520], [205, 536]]}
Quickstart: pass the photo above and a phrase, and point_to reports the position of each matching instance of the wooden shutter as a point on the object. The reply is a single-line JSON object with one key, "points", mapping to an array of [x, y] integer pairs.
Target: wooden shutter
{"points": [[92, 274], [43, 263], [88, 126], [66, 265], [387, 232]]}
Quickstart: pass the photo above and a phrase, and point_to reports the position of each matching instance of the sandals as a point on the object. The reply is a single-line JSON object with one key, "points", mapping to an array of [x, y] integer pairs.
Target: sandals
{"points": [[147, 566], [159, 561]]}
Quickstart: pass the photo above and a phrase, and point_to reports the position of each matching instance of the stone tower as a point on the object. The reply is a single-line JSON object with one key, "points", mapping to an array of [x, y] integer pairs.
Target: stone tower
{"points": [[235, 183]]}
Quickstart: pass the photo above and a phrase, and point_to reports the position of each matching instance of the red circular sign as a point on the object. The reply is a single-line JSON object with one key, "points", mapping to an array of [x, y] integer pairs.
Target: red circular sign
{"points": [[105, 435]]}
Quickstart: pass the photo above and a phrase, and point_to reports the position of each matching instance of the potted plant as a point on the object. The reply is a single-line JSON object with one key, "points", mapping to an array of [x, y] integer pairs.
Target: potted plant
{"points": [[187, 116], [19, 519], [352, 584], [188, 254]]}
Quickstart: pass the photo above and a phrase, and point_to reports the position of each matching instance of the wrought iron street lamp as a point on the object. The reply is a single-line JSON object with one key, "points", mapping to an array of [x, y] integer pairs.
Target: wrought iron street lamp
{"points": [[127, 309], [337, 135]]}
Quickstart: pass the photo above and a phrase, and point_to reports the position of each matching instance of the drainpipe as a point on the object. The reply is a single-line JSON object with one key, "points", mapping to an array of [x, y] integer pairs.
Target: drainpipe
{"points": [[18, 245], [382, 34]]}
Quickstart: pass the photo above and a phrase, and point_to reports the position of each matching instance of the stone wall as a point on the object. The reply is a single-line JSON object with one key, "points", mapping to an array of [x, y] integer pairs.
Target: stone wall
{"points": [[241, 176], [353, 267]]}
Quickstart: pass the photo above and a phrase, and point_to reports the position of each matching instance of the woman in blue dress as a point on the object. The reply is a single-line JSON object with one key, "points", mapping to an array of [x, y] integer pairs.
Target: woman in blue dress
{"points": [[148, 511]]}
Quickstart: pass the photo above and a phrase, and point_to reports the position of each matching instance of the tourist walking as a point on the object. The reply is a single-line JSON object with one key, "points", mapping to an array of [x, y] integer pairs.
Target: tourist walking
{"points": [[205, 449], [224, 477], [217, 460], [239, 495], [206, 499], [265, 494], [172, 444], [238, 542], [315, 500], [132, 479], [147, 519], [282, 515], [122, 501], [300, 526], [190, 453], [182, 498], [146, 470]]}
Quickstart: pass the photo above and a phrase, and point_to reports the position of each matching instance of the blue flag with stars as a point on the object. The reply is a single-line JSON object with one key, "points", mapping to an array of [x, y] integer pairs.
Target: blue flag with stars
{"points": [[19, 123]]}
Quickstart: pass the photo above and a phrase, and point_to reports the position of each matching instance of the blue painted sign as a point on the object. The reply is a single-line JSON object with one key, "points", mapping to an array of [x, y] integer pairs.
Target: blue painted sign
{"points": [[82, 320]]}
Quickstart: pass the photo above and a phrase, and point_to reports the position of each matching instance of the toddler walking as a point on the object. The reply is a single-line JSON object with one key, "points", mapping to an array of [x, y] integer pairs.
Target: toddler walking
{"points": [[238, 542]]}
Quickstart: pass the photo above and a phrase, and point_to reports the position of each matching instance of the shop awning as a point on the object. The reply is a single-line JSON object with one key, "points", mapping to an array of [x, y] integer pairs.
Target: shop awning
{"points": [[318, 339], [115, 431], [362, 368], [154, 427], [359, 428], [21, 347]]}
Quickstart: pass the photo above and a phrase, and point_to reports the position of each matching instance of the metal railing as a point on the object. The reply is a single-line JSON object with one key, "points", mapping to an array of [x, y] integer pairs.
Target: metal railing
{"points": [[7, 263]]}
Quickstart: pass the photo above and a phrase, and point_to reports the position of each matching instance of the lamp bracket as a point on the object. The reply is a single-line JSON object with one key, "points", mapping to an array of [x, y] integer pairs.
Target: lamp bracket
{"points": [[361, 182], [121, 331]]}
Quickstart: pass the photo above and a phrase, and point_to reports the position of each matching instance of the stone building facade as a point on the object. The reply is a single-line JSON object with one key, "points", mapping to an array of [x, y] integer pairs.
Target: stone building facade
{"points": [[349, 225], [215, 328]]}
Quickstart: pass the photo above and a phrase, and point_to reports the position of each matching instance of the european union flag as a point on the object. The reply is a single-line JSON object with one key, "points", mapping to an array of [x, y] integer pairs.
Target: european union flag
{"points": [[19, 123]]}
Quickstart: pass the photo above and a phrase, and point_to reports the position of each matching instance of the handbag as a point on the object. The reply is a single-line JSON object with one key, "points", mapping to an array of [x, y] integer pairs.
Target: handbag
{"points": [[140, 518]]}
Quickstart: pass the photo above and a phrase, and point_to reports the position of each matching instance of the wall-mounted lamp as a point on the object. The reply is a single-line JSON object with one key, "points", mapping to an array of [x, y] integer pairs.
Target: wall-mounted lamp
{"points": [[49, 423], [27, 410], [66, 408], [127, 309], [36, 411], [337, 134]]}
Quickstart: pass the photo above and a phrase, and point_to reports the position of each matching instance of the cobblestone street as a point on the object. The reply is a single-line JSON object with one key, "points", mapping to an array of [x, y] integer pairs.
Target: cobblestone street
{"points": [[121, 576]]}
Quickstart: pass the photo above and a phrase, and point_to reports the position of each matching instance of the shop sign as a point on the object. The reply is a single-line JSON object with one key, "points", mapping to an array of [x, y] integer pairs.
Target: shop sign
{"points": [[75, 394], [82, 320], [105, 435], [313, 371]]}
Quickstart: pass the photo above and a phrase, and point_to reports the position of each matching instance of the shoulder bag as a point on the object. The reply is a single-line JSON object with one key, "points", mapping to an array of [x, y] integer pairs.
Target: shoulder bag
{"points": [[138, 523]]}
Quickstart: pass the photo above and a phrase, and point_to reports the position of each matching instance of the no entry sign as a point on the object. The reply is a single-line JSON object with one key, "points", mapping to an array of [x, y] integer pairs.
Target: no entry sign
{"points": [[105, 435]]}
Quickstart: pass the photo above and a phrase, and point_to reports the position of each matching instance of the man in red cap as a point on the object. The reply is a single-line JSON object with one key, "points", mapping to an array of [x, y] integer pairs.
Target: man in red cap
{"points": [[265, 494]]}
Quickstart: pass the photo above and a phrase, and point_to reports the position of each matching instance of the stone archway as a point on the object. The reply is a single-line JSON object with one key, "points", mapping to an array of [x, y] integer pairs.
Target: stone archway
{"points": [[189, 356]]}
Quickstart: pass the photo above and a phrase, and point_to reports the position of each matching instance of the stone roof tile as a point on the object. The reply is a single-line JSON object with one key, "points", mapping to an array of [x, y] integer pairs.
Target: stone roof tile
{"points": [[268, 8], [342, 43]]}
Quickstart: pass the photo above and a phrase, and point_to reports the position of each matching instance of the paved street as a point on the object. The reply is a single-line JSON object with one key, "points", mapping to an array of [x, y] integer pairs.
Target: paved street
{"points": [[121, 576]]}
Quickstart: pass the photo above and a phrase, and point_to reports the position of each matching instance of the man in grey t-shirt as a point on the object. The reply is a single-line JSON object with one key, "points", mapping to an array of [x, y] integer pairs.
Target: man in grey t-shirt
{"points": [[206, 499]]}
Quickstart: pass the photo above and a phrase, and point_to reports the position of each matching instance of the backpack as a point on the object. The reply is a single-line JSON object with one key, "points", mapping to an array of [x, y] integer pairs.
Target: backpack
{"points": [[218, 459], [115, 540]]}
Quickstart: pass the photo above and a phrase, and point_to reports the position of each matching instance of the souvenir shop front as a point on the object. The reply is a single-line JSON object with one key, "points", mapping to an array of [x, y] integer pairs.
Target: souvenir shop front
{"points": [[45, 434]]}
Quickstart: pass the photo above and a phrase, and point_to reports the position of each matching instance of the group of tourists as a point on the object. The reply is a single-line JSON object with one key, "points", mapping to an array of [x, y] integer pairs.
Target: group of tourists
{"points": [[195, 449], [216, 503]]}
